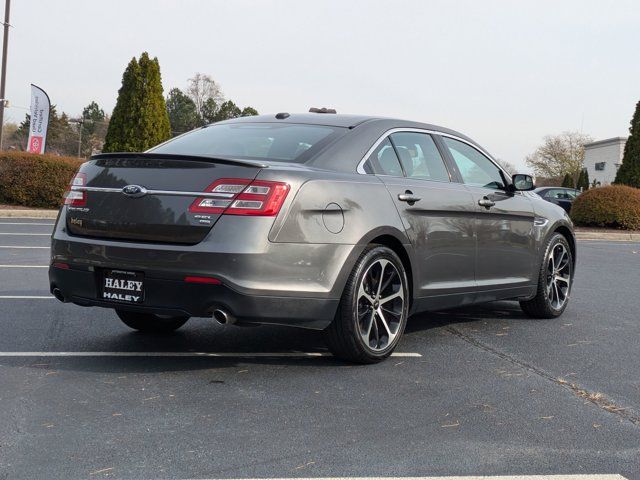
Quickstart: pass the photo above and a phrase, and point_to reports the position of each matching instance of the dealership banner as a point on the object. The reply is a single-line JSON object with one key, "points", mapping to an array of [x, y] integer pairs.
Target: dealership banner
{"points": [[39, 120]]}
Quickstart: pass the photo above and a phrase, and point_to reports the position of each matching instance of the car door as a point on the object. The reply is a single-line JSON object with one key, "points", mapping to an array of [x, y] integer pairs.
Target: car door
{"points": [[438, 216], [504, 224]]}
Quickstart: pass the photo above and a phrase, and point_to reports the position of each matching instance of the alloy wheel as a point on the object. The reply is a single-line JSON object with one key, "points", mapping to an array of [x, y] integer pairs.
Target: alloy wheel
{"points": [[380, 305], [558, 276]]}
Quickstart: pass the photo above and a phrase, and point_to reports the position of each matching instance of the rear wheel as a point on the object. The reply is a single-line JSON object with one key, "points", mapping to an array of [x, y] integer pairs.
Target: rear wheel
{"points": [[373, 309], [554, 281], [150, 323]]}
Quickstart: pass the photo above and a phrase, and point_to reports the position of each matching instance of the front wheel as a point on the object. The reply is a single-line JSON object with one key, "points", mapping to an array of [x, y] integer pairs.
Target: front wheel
{"points": [[150, 323], [555, 279], [373, 309]]}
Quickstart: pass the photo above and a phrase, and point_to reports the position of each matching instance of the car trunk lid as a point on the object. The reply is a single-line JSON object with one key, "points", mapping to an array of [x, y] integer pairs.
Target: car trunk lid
{"points": [[147, 196]]}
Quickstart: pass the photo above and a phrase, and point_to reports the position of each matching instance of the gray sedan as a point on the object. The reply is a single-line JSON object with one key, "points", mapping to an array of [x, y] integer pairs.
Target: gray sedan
{"points": [[347, 224]]}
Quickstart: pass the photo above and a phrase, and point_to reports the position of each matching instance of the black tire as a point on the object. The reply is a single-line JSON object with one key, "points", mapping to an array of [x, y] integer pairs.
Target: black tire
{"points": [[150, 323], [543, 305], [344, 336]]}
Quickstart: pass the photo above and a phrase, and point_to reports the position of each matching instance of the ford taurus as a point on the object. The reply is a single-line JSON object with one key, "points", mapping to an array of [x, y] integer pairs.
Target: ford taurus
{"points": [[346, 224]]}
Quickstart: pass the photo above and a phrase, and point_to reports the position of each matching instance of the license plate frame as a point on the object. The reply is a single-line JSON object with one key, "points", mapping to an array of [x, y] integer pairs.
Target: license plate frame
{"points": [[121, 286]]}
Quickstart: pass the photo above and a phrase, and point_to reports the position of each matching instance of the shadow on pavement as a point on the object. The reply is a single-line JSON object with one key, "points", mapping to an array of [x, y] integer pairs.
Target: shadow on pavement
{"points": [[203, 337], [493, 311]]}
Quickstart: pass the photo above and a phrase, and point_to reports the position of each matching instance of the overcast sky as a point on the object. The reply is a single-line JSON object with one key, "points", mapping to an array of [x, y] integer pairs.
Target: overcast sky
{"points": [[504, 72]]}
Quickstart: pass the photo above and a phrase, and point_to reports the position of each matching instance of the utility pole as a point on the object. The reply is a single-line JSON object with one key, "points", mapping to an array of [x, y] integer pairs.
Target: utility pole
{"points": [[3, 80], [80, 123]]}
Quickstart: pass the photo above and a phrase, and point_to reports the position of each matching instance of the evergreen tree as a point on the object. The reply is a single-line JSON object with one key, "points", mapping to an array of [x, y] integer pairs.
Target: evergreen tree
{"points": [[182, 112], [248, 112], [583, 180], [140, 118], [227, 110], [92, 115], [20, 137], [629, 172], [62, 139], [94, 128], [568, 181], [121, 132], [209, 112]]}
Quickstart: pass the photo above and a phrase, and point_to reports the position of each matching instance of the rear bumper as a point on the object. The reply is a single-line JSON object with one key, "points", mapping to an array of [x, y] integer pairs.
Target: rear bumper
{"points": [[173, 297], [296, 284]]}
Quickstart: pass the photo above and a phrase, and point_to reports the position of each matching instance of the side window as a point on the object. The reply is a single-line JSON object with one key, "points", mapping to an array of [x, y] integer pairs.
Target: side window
{"points": [[475, 168], [383, 161], [555, 194], [561, 194], [419, 156]]}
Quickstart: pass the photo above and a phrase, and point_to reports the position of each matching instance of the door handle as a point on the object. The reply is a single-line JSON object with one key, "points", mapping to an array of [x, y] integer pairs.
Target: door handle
{"points": [[486, 202], [408, 197]]}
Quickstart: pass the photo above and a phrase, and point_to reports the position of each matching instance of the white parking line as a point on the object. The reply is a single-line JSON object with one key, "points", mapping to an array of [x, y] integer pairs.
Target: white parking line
{"points": [[27, 297], [19, 246], [483, 477], [26, 234], [24, 266], [186, 354], [27, 223]]}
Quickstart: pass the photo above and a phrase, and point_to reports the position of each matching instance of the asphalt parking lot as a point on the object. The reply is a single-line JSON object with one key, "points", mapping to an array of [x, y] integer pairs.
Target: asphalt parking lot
{"points": [[477, 391]]}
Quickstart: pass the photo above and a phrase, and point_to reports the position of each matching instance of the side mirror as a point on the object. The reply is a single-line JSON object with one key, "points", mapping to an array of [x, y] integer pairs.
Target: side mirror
{"points": [[521, 182]]}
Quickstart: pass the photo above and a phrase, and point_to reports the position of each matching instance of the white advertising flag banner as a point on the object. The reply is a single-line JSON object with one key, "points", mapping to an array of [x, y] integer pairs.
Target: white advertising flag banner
{"points": [[39, 120]]}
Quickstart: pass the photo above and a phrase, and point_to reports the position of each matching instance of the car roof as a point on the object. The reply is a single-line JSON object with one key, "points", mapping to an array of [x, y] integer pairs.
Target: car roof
{"points": [[339, 120], [327, 119]]}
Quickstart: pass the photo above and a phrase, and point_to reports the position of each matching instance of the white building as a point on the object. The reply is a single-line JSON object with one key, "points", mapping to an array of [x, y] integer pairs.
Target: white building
{"points": [[603, 158]]}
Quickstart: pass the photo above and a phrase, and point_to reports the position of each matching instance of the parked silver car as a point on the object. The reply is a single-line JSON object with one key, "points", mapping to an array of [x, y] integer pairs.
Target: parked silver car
{"points": [[347, 224]]}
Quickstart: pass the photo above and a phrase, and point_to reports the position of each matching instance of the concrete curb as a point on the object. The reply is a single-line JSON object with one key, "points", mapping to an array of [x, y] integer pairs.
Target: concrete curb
{"points": [[580, 235], [28, 213], [611, 236]]}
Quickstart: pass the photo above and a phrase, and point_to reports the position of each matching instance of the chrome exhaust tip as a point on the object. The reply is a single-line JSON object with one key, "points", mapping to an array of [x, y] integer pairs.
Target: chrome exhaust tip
{"points": [[58, 294], [223, 317]]}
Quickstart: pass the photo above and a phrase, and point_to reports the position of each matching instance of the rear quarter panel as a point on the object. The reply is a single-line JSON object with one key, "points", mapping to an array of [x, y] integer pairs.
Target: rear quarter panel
{"points": [[338, 210]]}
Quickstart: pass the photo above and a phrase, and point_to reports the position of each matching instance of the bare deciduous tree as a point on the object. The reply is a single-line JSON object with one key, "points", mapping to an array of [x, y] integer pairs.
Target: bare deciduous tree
{"points": [[559, 154], [508, 166], [201, 88]]}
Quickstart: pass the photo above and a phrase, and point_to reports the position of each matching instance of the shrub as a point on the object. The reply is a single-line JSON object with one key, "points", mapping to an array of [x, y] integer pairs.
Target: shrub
{"points": [[35, 180], [614, 206]]}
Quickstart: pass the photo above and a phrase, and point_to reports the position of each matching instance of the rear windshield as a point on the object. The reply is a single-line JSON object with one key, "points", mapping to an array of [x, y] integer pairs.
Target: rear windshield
{"points": [[262, 141]]}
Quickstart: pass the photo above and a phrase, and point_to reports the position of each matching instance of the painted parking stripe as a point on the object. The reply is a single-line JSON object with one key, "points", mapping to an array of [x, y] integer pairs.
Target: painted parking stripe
{"points": [[27, 223], [19, 234], [19, 246], [482, 477], [187, 354], [26, 297], [24, 266], [11, 217]]}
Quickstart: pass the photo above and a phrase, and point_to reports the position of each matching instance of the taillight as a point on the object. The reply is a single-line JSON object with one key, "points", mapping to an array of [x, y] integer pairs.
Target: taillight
{"points": [[239, 196], [74, 198]]}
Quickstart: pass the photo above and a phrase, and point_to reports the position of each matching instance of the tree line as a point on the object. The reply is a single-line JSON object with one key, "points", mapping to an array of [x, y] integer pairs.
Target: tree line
{"points": [[142, 117], [559, 160]]}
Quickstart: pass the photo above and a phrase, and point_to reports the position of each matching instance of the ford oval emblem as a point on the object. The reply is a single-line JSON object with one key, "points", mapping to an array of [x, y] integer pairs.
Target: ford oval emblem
{"points": [[134, 191]]}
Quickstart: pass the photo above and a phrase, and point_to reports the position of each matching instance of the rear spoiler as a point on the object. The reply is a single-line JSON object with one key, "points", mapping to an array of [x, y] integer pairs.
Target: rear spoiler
{"points": [[177, 156]]}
